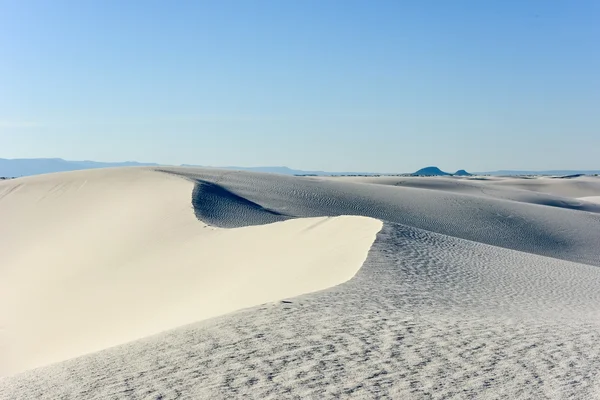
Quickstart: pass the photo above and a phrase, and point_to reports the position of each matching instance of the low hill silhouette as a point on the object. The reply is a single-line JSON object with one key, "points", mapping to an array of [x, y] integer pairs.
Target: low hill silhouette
{"points": [[431, 171], [462, 172]]}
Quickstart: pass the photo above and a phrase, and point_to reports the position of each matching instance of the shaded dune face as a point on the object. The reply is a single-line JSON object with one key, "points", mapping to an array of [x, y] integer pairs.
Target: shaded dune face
{"points": [[218, 206], [558, 231]]}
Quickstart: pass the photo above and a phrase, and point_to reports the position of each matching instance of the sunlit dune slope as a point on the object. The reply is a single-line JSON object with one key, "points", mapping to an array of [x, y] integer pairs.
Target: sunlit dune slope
{"points": [[92, 259]]}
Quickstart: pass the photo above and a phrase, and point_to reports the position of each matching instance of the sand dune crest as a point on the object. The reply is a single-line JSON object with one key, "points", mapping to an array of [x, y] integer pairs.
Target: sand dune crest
{"points": [[93, 259]]}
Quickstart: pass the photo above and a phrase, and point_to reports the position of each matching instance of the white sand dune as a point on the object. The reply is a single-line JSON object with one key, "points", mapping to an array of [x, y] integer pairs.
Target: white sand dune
{"points": [[93, 259], [468, 291], [563, 186], [591, 199], [550, 191]]}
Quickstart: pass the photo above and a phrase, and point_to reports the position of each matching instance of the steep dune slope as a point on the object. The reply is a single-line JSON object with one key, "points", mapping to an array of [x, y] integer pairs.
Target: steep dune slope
{"points": [[97, 258]]}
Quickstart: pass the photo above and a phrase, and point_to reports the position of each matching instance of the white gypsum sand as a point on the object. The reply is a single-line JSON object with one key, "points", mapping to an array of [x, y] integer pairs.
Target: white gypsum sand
{"points": [[471, 289], [591, 199], [93, 259]]}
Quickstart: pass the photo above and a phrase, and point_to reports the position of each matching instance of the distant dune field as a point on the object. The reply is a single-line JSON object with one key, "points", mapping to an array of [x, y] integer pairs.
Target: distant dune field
{"points": [[162, 283]]}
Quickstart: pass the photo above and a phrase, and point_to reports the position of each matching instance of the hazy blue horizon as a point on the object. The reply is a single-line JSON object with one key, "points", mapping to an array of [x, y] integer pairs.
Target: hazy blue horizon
{"points": [[335, 86]]}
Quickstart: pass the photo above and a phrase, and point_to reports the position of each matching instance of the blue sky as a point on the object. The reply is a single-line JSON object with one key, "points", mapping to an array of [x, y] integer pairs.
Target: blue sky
{"points": [[333, 85]]}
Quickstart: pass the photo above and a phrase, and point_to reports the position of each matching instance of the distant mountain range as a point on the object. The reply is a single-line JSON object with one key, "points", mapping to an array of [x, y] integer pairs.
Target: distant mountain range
{"points": [[286, 170], [547, 172], [36, 166]]}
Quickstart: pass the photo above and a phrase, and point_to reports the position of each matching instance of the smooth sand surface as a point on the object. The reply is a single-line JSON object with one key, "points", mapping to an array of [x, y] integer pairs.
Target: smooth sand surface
{"points": [[591, 199], [470, 290], [93, 259]]}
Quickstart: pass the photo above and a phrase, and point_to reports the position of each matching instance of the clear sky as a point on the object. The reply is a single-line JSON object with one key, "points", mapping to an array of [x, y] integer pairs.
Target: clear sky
{"points": [[387, 86]]}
